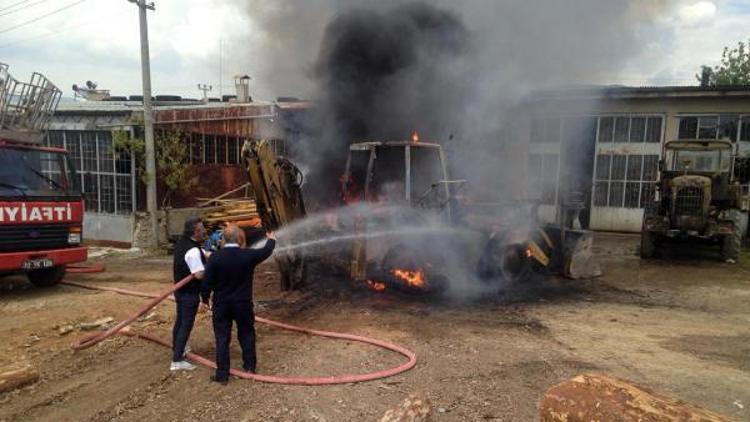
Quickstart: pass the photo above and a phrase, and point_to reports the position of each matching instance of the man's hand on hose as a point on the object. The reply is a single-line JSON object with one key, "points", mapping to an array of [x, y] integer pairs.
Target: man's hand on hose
{"points": [[271, 235]]}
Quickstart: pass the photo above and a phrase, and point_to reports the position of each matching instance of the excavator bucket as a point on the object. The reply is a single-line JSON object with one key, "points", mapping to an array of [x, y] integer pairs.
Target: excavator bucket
{"points": [[573, 252], [278, 195]]}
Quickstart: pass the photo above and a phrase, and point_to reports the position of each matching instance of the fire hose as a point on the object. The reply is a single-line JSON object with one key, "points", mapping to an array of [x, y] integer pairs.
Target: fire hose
{"points": [[122, 328]]}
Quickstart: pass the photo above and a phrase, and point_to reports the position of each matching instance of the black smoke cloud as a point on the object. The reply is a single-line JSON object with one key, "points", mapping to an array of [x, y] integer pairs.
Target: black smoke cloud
{"points": [[379, 69], [385, 73]]}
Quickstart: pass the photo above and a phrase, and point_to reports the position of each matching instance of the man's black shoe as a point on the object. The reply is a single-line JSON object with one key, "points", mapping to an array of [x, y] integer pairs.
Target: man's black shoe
{"points": [[222, 381], [250, 370]]}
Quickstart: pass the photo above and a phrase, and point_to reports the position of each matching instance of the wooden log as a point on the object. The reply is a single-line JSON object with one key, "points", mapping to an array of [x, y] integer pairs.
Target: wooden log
{"points": [[220, 201], [598, 397], [230, 218], [233, 210], [240, 211], [18, 375], [229, 203]]}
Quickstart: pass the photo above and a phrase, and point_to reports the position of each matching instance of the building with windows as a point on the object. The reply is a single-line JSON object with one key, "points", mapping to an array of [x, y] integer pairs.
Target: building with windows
{"points": [[603, 145], [599, 145], [213, 133]]}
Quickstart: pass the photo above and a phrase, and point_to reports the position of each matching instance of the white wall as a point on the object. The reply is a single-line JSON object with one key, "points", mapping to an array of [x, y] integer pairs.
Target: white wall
{"points": [[108, 227]]}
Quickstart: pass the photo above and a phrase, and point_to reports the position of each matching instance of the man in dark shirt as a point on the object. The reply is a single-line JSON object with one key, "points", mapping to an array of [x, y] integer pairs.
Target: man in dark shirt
{"points": [[188, 259], [229, 275]]}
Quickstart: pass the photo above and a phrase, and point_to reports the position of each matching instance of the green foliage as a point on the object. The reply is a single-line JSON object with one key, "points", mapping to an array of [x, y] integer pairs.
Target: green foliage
{"points": [[124, 145], [171, 160], [734, 69], [172, 165]]}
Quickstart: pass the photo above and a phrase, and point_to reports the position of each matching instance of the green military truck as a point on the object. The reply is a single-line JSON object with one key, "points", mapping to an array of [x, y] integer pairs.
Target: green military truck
{"points": [[701, 194]]}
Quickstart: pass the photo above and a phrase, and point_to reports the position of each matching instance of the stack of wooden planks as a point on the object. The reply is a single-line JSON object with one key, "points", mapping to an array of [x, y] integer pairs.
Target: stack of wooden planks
{"points": [[242, 212]]}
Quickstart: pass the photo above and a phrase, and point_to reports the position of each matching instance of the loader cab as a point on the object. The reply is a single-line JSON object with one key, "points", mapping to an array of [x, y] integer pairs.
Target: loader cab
{"points": [[398, 173]]}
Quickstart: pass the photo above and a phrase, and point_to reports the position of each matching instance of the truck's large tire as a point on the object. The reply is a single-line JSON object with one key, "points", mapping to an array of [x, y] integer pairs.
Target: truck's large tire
{"points": [[46, 277], [648, 244], [732, 243]]}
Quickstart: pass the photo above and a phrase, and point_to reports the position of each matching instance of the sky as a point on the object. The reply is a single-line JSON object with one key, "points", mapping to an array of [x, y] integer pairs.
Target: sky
{"points": [[98, 40]]}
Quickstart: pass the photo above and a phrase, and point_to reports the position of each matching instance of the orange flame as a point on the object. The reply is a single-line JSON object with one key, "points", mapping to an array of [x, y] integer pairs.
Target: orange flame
{"points": [[376, 285], [415, 137], [412, 278]]}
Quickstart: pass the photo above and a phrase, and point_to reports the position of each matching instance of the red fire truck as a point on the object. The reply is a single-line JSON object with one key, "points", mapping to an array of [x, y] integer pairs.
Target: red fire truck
{"points": [[41, 206]]}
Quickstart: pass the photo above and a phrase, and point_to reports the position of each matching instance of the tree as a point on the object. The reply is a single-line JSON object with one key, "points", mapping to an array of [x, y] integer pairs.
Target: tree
{"points": [[171, 160], [734, 69]]}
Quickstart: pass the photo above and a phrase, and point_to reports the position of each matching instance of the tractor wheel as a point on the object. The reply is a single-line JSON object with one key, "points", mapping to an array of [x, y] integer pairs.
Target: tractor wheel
{"points": [[648, 244], [514, 264], [732, 243], [46, 277], [504, 261]]}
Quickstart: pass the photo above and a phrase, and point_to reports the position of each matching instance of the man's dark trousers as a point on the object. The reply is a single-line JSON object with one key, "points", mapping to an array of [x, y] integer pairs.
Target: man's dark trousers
{"points": [[187, 308], [224, 313]]}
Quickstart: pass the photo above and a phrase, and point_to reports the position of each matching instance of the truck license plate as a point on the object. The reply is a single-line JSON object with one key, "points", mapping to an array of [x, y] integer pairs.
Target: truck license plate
{"points": [[35, 264]]}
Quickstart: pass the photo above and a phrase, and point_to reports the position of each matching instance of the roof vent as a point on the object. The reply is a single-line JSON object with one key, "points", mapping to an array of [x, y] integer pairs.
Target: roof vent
{"points": [[242, 84]]}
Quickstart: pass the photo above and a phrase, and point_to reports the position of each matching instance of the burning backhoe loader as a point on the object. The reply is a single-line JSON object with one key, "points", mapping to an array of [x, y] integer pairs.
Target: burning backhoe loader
{"points": [[439, 230]]}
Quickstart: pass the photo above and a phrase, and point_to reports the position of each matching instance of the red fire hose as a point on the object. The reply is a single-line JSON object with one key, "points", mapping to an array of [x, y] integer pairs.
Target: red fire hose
{"points": [[95, 338], [82, 269], [94, 268]]}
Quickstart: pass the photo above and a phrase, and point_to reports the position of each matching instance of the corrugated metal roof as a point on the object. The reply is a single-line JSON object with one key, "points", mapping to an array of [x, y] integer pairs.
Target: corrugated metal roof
{"points": [[620, 91], [295, 105], [86, 107], [103, 106]]}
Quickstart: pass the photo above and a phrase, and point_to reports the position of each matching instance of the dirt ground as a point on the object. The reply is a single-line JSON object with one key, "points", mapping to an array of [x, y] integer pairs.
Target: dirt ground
{"points": [[680, 325]]}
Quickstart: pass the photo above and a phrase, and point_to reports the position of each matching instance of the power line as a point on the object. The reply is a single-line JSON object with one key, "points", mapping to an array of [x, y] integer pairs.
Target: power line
{"points": [[14, 5], [105, 19], [22, 8], [47, 35], [41, 17]]}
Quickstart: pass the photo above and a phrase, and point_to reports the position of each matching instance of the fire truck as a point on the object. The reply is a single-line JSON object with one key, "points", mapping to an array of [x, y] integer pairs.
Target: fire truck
{"points": [[41, 206]]}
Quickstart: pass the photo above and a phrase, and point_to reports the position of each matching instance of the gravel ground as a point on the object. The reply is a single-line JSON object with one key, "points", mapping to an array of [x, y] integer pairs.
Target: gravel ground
{"points": [[680, 324]]}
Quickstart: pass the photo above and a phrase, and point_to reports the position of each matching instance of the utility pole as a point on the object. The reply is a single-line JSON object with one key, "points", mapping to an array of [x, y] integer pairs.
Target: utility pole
{"points": [[221, 65], [148, 120], [205, 88]]}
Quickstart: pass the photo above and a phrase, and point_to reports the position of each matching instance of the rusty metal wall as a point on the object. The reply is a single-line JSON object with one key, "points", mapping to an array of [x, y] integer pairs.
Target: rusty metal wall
{"points": [[244, 120], [203, 122]]}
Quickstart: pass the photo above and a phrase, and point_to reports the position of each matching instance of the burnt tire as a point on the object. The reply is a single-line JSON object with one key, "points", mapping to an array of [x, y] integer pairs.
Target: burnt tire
{"points": [[515, 265], [732, 243], [648, 244], [506, 262], [46, 277]]}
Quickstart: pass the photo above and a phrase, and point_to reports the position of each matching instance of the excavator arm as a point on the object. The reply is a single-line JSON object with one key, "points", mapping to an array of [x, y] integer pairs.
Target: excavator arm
{"points": [[277, 185]]}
